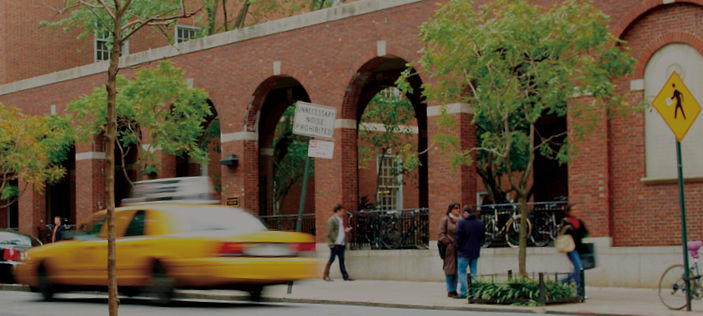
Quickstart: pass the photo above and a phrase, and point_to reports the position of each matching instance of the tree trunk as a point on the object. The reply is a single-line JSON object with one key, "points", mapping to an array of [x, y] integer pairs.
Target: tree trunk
{"points": [[113, 302], [242, 16], [523, 235]]}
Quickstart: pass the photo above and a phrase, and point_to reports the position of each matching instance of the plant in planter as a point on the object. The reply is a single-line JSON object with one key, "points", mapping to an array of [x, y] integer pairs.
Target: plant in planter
{"points": [[521, 291]]}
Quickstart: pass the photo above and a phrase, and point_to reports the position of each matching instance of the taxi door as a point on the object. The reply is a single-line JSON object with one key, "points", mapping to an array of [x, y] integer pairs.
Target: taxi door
{"points": [[133, 251], [91, 255]]}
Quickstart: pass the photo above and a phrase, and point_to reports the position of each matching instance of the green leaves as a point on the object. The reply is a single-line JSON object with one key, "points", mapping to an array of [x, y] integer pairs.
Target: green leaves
{"points": [[155, 111], [523, 289], [31, 149]]}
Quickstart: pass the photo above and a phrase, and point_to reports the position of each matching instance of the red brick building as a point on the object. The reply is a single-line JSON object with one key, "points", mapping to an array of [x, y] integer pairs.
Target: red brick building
{"points": [[341, 57]]}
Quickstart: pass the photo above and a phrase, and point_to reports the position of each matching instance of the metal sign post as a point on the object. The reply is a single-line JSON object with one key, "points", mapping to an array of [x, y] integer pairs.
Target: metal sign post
{"points": [[673, 103], [315, 121]]}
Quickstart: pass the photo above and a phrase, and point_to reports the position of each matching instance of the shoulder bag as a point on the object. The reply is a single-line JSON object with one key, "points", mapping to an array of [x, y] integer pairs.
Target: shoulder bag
{"points": [[564, 243], [440, 245]]}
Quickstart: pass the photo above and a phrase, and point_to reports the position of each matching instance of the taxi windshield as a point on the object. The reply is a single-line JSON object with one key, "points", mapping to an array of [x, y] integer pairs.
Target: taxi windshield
{"points": [[216, 218]]}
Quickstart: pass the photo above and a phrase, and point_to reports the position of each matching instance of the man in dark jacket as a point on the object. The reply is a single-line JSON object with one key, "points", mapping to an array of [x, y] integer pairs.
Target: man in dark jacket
{"points": [[470, 233]]}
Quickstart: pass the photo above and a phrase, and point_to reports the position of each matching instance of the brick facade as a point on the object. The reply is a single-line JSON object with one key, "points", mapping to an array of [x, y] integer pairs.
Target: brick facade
{"points": [[340, 63]]}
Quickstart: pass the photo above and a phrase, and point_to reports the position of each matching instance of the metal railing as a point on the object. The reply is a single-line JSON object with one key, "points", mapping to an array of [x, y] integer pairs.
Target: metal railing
{"points": [[390, 229], [288, 222], [544, 219]]}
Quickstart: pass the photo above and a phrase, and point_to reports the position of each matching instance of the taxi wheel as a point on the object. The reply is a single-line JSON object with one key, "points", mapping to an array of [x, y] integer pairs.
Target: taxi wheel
{"points": [[255, 294], [45, 287], [161, 285]]}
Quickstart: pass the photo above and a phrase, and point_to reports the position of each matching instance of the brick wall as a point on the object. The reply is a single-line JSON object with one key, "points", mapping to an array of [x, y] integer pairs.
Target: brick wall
{"points": [[337, 63]]}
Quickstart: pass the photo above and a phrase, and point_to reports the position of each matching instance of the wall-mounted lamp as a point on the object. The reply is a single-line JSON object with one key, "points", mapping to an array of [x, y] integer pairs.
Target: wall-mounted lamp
{"points": [[230, 160]]}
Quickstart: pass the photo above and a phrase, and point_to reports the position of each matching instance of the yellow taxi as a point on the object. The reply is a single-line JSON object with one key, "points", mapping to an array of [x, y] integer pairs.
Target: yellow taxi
{"points": [[162, 247]]}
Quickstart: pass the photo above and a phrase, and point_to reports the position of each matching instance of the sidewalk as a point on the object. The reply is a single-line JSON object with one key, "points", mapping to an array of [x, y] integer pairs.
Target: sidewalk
{"points": [[432, 295]]}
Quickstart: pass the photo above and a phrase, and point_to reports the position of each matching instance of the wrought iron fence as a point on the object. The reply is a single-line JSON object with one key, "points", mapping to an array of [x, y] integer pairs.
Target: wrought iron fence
{"points": [[288, 222], [390, 229], [544, 219]]}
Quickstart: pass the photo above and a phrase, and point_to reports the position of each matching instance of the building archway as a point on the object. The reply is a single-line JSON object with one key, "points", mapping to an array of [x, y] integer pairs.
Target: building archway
{"points": [[61, 196], [276, 95], [376, 75]]}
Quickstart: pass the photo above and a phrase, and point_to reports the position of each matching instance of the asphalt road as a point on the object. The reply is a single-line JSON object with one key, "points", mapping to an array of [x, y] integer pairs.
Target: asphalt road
{"points": [[30, 304]]}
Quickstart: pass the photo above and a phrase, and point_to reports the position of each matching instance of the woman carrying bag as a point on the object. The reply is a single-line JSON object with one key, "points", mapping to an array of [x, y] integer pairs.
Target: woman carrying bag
{"points": [[577, 230], [447, 236]]}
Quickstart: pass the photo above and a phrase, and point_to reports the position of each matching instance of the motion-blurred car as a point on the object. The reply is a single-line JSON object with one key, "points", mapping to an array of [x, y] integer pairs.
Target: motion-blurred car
{"points": [[162, 247], [12, 243]]}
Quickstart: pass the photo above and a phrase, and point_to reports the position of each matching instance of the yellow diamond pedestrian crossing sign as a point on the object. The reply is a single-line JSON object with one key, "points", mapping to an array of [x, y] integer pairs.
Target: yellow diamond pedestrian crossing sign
{"points": [[677, 106]]}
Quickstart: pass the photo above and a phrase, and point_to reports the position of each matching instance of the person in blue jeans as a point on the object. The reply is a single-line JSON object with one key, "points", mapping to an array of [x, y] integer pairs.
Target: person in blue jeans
{"points": [[578, 231], [470, 233]]}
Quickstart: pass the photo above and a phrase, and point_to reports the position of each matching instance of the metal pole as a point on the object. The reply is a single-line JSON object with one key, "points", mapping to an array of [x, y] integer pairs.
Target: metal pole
{"points": [[299, 224], [682, 203]]}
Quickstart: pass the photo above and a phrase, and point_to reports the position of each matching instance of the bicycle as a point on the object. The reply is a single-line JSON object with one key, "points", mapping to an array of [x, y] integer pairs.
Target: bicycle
{"points": [[511, 229], [672, 285], [545, 224]]}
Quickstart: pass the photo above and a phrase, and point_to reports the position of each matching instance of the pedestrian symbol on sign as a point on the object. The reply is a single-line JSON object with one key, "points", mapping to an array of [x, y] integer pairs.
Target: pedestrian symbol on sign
{"points": [[675, 97]]}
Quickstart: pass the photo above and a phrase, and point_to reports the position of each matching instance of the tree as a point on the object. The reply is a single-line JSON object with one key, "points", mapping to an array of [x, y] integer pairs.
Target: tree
{"points": [[31, 150], [157, 106], [289, 153], [515, 62], [394, 112], [256, 11], [121, 19]]}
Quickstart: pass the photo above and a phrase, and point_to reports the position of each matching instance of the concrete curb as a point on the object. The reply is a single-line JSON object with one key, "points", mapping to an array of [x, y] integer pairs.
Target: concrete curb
{"points": [[193, 294]]}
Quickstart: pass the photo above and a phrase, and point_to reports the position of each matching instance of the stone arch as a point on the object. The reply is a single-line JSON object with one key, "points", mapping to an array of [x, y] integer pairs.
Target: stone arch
{"points": [[61, 196], [662, 40], [269, 102], [373, 76], [637, 11]]}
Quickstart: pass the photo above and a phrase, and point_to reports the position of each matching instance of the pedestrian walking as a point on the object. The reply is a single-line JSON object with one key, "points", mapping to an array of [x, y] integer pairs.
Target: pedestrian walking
{"points": [[336, 233], [578, 231], [447, 236], [470, 233], [58, 230]]}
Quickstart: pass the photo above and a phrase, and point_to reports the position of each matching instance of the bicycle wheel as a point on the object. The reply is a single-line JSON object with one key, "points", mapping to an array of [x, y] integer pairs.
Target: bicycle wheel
{"points": [[490, 229], [512, 231], [672, 288], [390, 236], [542, 230]]}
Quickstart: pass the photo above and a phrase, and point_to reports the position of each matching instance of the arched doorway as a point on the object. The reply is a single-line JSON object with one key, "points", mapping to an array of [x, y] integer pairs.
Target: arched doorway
{"points": [[280, 151], [381, 178], [61, 196]]}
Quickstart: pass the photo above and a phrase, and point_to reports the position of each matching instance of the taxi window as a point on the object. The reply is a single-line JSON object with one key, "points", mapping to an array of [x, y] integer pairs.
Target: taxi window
{"points": [[90, 229], [216, 218], [136, 226], [14, 239]]}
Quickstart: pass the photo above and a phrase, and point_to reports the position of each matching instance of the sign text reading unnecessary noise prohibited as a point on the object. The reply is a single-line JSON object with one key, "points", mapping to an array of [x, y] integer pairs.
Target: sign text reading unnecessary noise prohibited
{"points": [[314, 120]]}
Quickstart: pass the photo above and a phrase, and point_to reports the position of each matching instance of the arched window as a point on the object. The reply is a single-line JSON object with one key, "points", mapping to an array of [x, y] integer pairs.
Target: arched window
{"points": [[660, 143]]}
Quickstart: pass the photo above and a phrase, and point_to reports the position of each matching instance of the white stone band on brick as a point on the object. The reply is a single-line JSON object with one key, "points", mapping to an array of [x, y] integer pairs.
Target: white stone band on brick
{"points": [[454, 108], [233, 137], [637, 85], [668, 1], [90, 155], [267, 152], [377, 127], [276, 68], [53, 109], [345, 123], [381, 48], [340, 12]]}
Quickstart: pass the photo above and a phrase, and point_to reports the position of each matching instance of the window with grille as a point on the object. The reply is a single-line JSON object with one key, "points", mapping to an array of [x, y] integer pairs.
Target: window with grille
{"points": [[102, 50], [185, 32], [390, 184]]}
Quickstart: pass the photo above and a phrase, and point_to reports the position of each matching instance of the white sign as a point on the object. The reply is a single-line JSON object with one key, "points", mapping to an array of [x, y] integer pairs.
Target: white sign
{"points": [[314, 120], [320, 149]]}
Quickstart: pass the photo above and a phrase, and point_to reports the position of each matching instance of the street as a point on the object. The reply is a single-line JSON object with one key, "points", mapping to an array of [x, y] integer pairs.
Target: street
{"points": [[30, 304]]}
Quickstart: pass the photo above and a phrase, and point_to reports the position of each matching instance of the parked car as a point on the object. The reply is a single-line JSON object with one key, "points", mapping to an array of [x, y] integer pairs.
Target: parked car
{"points": [[12, 243], [162, 247]]}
